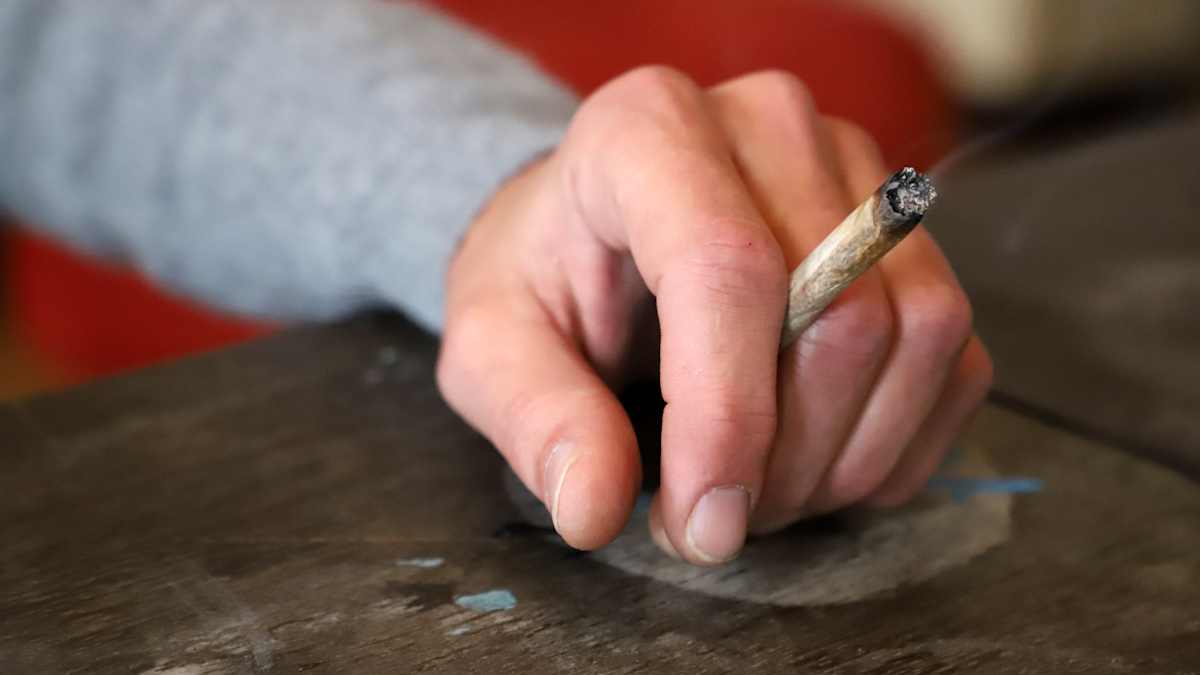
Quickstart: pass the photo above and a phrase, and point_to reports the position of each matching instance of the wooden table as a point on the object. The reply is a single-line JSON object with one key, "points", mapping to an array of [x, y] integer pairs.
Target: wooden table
{"points": [[308, 504], [1081, 262]]}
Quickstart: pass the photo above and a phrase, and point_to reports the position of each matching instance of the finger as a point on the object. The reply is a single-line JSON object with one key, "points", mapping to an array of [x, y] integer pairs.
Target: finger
{"points": [[933, 322], [964, 392], [787, 156], [506, 369], [657, 532], [662, 185], [860, 159], [791, 162]]}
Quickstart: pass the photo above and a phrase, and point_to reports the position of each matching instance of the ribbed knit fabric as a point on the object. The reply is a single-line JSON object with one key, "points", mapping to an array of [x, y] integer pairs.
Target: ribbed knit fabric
{"points": [[283, 158]]}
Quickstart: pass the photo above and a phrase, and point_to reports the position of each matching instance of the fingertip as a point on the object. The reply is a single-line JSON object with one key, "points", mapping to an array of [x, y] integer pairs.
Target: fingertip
{"points": [[593, 494], [965, 391]]}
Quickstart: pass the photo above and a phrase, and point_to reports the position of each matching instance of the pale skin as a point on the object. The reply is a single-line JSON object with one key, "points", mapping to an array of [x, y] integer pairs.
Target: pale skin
{"points": [[703, 199]]}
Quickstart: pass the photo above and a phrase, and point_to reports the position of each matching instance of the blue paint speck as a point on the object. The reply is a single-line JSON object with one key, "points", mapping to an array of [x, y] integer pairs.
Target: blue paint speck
{"points": [[488, 601], [961, 488], [953, 457]]}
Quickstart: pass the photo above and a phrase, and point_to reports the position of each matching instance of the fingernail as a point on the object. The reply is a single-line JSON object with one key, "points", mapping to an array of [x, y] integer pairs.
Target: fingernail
{"points": [[716, 529], [558, 465]]}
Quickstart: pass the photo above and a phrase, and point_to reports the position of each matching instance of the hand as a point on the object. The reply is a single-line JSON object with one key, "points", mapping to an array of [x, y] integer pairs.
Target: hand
{"points": [[703, 199]]}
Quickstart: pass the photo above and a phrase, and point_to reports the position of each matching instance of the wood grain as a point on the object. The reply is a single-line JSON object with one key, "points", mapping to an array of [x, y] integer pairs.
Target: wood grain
{"points": [[258, 511]]}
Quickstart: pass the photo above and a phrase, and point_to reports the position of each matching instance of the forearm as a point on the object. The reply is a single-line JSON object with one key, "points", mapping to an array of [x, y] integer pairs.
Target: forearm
{"points": [[290, 158]]}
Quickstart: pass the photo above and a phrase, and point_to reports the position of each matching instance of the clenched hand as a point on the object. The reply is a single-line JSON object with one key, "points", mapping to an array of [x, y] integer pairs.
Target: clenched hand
{"points": [[703, 199]]}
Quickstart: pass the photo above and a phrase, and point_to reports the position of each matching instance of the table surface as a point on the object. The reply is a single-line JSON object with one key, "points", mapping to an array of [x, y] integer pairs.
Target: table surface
{"points": [[277, 508], [1080, 261]]}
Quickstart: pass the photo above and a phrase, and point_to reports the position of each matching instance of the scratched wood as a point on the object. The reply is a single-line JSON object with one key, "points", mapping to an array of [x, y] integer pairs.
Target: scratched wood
{"points": [[273, 509]]}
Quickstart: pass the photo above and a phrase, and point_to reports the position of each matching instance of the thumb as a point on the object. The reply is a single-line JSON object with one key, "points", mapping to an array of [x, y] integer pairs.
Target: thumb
{"points": [[525, 386]]}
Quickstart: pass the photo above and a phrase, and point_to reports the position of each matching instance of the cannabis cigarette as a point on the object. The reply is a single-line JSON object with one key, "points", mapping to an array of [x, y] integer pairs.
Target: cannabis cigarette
{"points": [[870, 231]]}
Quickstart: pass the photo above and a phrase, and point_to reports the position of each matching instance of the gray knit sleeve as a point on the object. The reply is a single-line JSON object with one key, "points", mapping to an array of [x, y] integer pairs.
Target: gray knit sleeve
{"points": [[286, 158]]}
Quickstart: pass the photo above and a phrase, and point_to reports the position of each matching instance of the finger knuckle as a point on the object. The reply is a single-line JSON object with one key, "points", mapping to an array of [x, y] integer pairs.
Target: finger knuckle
{"points": [[650, 79], [851, 137], [852, 487], [739, 264], [858, 333], [661, 92], [938, 318], [650, 104], [781, 90], [781, 99], [739, 421], [467, 330]]}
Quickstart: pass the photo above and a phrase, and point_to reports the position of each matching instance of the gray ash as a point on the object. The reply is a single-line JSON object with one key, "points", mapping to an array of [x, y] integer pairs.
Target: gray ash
{"points": [[908, 195]]}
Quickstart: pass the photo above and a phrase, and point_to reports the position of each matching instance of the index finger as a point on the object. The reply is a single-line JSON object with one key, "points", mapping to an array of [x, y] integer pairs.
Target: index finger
{"points": [[667, 190]]}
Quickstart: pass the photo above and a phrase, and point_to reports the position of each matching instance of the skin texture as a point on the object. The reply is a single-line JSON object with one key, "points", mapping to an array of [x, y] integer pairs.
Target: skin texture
{"points": [[702, 201]]}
